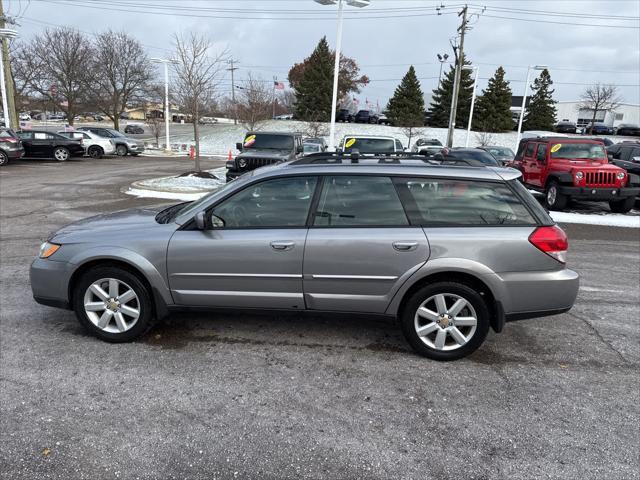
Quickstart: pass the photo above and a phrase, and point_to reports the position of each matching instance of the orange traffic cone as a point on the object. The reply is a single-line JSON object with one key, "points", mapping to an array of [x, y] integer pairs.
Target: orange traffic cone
{"points": [[230, 158], [192, 152]]}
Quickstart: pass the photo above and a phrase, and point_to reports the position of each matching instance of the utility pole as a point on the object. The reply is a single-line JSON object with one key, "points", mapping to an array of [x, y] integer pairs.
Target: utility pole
{"points": [[6, 66], [456, 82], [233, 90]]}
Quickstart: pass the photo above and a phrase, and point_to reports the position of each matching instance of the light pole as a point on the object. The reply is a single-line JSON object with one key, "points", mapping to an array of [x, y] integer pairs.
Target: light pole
{"points": [[473, 100], [524, 99], [336, 65], [442, 59], [166, 63], [5, 34]]}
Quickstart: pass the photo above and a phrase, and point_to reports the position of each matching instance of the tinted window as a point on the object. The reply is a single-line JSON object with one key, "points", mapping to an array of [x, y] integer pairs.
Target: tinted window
{"points": [[6, 133], [282, 202], [542, 152], [530, 147], [359, 201], [25, 135], [635, 153], [479, 156], [463, 202], [269, 142], [369, 145]]}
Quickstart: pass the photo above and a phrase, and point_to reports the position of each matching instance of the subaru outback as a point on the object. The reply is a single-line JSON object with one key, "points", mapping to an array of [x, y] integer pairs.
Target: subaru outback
{"points": [[450, 251]]}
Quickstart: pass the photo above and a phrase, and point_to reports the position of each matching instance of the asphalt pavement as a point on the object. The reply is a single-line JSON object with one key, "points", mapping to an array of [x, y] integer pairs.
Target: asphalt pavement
{"points": [[285, 396]]}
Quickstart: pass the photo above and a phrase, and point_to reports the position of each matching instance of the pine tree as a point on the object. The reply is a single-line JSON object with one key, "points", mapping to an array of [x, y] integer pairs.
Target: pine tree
{"points": [[406, 107], [541, 111], [492, 113], [313, 91], [441, 99]]}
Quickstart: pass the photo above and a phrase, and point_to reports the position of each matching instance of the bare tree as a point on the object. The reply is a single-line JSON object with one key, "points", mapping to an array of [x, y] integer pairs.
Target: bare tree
{"points": [[197, 71], [156, 125], [411, 132], [599, 97], [62, 66], [316, 129], [485, 139], [25, 67], [254, 102], [121, 71]]}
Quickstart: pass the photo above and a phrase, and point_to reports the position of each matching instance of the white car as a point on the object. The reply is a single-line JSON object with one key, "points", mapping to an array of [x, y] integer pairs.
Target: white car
{"points": [[24, 117], [94, 145]]}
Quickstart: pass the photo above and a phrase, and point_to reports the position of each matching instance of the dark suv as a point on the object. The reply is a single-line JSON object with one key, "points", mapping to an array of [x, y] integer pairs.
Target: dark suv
{"points": [[343, 115], [264, 148], [626, 155], [10, 146], [365, 116]]}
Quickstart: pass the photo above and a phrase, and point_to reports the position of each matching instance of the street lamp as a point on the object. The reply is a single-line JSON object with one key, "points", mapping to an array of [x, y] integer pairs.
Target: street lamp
{"points": [[473, 100], [442, 59], [166, 63], [524, 99], [5, 34], [336, 66]]}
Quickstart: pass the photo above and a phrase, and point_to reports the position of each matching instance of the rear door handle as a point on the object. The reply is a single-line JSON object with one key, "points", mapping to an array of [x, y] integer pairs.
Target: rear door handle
{"points": [[405, 246], [282, 245]]}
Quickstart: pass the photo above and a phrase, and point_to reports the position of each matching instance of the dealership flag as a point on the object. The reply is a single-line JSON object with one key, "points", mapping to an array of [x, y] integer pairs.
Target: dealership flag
{"points": [[278, 85]]}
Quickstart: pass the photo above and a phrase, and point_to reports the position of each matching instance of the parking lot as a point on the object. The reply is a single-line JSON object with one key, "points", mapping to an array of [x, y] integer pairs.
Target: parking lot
{"points": [[286, 396]]}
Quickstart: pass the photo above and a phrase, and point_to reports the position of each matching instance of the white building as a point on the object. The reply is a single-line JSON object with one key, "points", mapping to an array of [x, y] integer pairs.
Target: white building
{"points": [[624, 113]]}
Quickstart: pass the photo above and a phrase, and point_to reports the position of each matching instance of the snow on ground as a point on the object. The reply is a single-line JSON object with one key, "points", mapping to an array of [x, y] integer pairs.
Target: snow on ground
{"points": [[178, 188], [607, 219], [185, 197]]}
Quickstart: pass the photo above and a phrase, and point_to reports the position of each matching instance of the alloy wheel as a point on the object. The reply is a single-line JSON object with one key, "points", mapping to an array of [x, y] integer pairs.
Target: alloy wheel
{"points": [[445, 321], [552, 195], [61, 154], [111, 305], [121, 150]]}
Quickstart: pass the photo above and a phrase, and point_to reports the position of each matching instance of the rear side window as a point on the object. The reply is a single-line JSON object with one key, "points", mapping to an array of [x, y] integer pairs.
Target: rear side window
{"points": [[530, 148], [462, 202], [359, 201], [542, 152]]}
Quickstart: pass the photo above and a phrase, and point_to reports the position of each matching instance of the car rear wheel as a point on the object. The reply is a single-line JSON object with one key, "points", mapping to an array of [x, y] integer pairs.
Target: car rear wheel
{"points": [[445, 321], [95, 152], [553, 199], [61, 154], [4, 159], [121, 150], [622, 206], [113, 304]]}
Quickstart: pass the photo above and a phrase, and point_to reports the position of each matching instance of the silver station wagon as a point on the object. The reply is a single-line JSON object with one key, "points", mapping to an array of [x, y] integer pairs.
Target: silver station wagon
{"points": [[448, 250]]}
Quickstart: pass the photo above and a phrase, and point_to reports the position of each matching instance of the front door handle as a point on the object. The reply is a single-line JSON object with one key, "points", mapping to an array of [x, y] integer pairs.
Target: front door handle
{"points": [[282, 245], [405, 246]]}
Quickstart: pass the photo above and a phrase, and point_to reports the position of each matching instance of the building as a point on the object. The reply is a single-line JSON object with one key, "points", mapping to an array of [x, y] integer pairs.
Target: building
{"points": [[623, 113]]}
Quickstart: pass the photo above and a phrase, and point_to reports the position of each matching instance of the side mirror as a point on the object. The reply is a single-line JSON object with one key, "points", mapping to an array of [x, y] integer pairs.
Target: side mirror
{"points": [[200, 220], [239, 146], [299, 149]]}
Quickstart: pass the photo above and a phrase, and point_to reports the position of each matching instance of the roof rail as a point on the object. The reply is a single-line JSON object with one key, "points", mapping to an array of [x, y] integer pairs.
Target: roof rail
{"points": [[383, 158]]}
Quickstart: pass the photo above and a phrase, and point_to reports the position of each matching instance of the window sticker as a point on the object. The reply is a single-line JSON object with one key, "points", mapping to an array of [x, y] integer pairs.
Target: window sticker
{"points": [[556, 147], [250, 140], [349, 143]]}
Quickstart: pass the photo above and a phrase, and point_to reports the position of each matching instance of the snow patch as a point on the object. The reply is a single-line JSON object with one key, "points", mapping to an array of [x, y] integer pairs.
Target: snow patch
{"points": [[178, 188], [185, 197], [610, 219]]}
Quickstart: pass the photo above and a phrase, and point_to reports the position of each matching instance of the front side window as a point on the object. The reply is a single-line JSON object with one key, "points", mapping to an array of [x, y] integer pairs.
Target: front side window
{"points": [[359, 201], [282, 202], [462, 202]]}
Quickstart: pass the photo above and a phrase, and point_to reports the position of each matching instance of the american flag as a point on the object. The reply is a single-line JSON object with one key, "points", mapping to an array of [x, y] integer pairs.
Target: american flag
{"points": [[278, 85]]}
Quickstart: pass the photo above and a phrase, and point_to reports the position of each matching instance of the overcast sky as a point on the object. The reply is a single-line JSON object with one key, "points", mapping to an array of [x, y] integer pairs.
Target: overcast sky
{"points": [[268, 36]]}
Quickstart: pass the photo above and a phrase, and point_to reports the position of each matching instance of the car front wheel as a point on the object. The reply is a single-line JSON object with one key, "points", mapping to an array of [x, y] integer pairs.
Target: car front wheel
{"points": [[121, 150], [61, 154], [113, 304], [622, 206], [554, 200], [445, 321]]}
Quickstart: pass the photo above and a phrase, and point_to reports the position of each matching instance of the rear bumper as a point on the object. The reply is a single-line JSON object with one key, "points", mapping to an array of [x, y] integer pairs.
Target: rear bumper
{"points": [[598, 193]]}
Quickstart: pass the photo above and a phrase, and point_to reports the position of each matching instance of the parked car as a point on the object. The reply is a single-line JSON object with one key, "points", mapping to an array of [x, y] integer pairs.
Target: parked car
{"points": [[38, 143], [475, 156], [24, 117], [94, 145], [10, 146], [367, 144], [599, 128], [566, 127], [427, 146], [574, 168], [628, 129], [502, 154], [309, 148], [383, 119], [124, 144], [426, 245], [285, 116], [626, 155], [343, 115], [316, 140], [134, 129], [208, 120], [259, 149], [365, 116]]}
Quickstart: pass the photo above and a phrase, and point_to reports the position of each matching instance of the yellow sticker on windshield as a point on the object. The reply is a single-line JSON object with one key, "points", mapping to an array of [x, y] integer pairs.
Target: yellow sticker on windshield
{"points": [[556, 147], [350, 143], [249, 140]]}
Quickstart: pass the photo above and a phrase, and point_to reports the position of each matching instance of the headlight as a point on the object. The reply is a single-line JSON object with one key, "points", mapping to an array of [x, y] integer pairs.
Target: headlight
{"points": [[620, 175], [579, 176], [47, 249]]}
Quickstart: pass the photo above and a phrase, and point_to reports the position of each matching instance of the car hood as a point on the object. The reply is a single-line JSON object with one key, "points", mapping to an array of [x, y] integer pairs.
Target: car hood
{"points": [[263, 153]]}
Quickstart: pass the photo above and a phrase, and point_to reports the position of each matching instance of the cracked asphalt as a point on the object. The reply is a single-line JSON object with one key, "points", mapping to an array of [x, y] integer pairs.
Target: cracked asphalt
{"points": [[221, 396]]}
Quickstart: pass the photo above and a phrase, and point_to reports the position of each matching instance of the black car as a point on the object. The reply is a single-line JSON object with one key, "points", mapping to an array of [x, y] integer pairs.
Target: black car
{"points": [[259, 149], [134, 129], [628, 129], [10, 146], [566, 127], [343, 115], [365, 116], [475, 156], [502, 154], [124, 144], [625, 155], [38, 143], [599, 128]]}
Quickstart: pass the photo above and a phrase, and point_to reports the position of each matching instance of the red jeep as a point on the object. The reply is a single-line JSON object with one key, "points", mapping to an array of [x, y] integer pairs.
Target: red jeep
{"points": [[564, 168]]}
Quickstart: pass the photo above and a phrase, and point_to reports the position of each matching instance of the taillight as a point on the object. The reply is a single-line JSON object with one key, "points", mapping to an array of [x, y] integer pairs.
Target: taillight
{"points": [[552, 241], [9, 140]]}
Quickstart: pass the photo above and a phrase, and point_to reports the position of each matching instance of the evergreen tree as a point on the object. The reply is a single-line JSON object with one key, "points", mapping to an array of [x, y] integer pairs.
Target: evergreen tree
{"points": [[541, 111], [406, 107], [441, 99], [314, 89], [492, 112]]}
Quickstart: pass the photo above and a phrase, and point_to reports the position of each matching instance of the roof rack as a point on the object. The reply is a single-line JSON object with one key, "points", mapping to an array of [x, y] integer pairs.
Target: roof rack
{"points": [[383, 158]]}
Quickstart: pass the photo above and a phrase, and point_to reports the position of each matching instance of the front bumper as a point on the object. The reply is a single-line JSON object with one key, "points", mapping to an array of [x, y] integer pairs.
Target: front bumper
{"points": [[50, 282], [598, 193], [135, 149]]}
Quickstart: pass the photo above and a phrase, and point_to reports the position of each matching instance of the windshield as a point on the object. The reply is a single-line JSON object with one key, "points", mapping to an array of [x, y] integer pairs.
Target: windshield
{"points": [[501, 152], [267, 141], [311, 147], [578, 150], [369, 145], [7, 133]]}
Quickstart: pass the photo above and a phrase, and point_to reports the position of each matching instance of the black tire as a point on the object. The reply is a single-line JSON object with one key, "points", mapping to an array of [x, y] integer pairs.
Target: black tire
{"points": [[622, 206], [95, 152], [122, 150], [408, 320], [553, 199], [4, 159], [144, 303], [61, 154]]}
